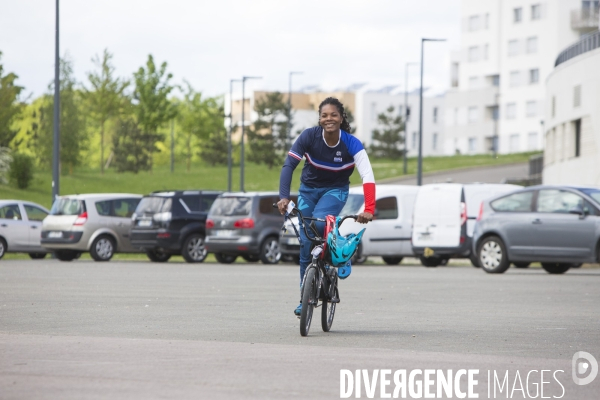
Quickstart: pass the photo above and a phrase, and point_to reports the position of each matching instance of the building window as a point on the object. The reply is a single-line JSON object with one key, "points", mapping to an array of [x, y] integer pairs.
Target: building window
{"points": [[474, 23], [553, 106], [407, 113], [486, 51], [495, 80], [534, 76], [486, 21], [472, 145], [434, 142], [473, 53], [414, 141], [454, 75], [515, 78], [400, 109], [532, 141], [532, 45], [517, 15], [536, 11], [577, 129], [473, 114], [514, 143], [473, 82], [531, 108], [511, 111], [494, 113], [435, 115], [577, 96], [513, 47]]}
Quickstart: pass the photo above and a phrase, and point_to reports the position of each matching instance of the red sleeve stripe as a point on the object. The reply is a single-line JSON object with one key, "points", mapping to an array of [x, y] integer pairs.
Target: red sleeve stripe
{"points": [[296, 156], [369, 192]]}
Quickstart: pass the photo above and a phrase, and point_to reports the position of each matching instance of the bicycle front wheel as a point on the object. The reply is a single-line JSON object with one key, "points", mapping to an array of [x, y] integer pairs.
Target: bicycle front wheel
{"points": [[328, 312], [309, 299]]}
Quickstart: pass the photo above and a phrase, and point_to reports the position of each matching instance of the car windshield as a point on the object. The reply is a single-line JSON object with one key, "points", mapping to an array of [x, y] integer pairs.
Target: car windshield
{"points": [[593, 193], [231, 206], [353, 204], [153, 205], [67, 206]]}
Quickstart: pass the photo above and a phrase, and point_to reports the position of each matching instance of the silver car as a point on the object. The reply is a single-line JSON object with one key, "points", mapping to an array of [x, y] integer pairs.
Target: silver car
{"points": [[558, 226], [98, 223], [20, 226]]}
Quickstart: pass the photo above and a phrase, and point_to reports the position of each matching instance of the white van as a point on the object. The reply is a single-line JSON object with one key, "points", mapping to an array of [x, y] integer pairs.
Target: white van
{"points": [[388, 235], [445, 216]]}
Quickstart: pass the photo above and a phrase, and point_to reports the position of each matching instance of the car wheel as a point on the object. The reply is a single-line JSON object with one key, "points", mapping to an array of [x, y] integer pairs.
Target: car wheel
{"points": [[251, 257], [474, 261], [37, 256], [103, 248], [158, 256], [3, 247], [576, 265], [193, 250], [270, 252], [66, 255], [556, 268], [225, 258], [430, 261], [392, 260], [521, 264], [492, 255]]}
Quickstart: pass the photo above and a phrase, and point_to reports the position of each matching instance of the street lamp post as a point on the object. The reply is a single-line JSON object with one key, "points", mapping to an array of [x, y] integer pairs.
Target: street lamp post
{"points": [[56, 144], [420, 163], [229, 163], [288, 135], [406, 113], [244, 79]]}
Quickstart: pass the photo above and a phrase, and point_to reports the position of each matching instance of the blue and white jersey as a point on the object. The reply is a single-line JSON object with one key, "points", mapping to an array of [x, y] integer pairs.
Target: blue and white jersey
{"points": [[325, 166]]}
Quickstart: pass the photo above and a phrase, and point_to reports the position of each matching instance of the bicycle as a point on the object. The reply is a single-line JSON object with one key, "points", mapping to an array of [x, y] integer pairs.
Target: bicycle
{"points": [[320, 281]]}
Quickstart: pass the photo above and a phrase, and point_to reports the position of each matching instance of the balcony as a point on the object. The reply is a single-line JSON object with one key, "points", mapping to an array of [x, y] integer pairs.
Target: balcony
{"points": [[586, 43], [585, 19]]}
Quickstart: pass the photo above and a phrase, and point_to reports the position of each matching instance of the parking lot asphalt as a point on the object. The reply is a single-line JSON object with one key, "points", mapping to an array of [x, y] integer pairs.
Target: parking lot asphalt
{"points": [[144, 330]]}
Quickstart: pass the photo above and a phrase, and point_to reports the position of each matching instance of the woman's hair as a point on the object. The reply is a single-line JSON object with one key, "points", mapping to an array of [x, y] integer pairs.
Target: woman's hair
{"points": [[340, 107]]}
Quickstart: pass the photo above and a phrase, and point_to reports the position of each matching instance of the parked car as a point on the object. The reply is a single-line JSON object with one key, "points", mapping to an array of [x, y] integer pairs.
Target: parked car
{"points": [[388, 235], [20, 226], [98, 223], [170, 223], [558, 226], [246, 225], [444, 219]]}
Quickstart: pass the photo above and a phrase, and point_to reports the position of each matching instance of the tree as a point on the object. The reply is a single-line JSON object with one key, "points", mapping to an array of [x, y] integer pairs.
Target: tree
{"points": [[215, 150], [10, 107], [21, 170], [105, 99], [267, 136], [152, 109], [5, 160], [129, 147], [73, 137], [387, 140]]}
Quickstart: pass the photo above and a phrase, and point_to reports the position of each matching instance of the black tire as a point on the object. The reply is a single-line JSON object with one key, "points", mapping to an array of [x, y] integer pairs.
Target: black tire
{"points": [[492, 256], [474, 261], [3, 247], [103, 248], [270, 253], [66, 255], [158, 256], [36, 256], [194, 250], [225, 258], [392, 260], [309, 296], [556, 268], [328, 307], [251, 257], [430, 261], [521, 264], [576, 265]]}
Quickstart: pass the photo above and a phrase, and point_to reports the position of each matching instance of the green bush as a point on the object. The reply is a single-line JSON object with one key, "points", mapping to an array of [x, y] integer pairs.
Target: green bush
{"points": [[21, 170]]}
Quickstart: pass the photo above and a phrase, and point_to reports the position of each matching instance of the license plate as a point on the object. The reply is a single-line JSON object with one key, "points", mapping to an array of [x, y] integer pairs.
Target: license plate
{"points": [[224, 233], [145, 222], [425, 238], [293, 241], [54, 235]]}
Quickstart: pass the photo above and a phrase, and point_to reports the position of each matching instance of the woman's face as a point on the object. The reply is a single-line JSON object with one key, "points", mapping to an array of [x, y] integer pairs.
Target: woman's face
{"points": [[330, 118]]}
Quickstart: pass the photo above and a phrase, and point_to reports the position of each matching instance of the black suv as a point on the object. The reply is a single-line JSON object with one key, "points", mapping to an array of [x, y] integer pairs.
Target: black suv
{"points": [[172, 223]]}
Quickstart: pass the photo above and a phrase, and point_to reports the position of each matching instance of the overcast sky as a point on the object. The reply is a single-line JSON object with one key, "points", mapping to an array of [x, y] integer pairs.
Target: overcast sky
{"points": [[334, 42]]}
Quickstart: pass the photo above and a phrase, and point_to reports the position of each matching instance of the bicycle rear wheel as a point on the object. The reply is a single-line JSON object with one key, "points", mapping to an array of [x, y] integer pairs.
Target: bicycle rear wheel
{"points": [[309, 297], [328, 312]]}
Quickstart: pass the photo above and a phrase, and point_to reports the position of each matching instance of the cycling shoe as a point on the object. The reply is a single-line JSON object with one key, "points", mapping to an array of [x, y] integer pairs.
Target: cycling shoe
{"points": [[298, 310]]}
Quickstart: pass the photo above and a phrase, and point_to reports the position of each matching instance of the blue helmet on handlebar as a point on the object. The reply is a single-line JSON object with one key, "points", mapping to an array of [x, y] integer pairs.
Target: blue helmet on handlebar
{"points": [[342, 248]]}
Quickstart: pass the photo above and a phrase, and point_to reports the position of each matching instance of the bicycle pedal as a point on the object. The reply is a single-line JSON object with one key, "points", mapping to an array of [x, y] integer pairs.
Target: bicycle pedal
{"points": [[335, 300]]}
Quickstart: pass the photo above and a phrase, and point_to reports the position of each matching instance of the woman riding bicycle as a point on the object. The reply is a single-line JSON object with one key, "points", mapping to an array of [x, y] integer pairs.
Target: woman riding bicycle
{"points": [[331, 154]]}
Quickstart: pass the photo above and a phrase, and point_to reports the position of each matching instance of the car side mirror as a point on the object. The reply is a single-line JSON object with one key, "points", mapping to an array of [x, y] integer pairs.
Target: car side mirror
{"points": [[578, 210]]}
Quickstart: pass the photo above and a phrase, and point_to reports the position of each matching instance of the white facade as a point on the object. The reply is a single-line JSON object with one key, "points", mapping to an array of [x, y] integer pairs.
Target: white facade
{"points": [[572, 151], [508, 49], [371, 103]]}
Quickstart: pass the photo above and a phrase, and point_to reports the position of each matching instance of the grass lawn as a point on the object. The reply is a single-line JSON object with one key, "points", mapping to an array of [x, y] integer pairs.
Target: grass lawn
{"points": [[257, 177]]}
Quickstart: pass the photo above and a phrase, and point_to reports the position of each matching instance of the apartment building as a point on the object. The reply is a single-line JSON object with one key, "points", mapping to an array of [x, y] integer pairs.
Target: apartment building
{"points": [[508, 49]]}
